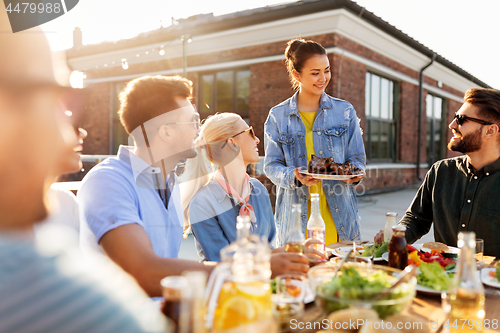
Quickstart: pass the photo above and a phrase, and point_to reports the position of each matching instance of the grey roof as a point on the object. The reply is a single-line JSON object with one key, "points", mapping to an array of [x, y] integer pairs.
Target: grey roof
{"points": [[208, 23]]}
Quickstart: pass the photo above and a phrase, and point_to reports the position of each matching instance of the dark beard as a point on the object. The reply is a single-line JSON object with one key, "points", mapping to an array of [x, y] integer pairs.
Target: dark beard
{"points": [[468, 144]]}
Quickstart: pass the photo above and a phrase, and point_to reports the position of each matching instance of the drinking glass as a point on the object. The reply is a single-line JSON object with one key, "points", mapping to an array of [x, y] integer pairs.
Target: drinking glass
{"points": [[479, 252], [288, 302]]}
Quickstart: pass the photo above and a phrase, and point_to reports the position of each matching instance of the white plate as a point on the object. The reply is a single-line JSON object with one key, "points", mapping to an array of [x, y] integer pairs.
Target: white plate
{"points": [[341, 251], [487, 279], [427, 290], [451, 249], [330, 177]]}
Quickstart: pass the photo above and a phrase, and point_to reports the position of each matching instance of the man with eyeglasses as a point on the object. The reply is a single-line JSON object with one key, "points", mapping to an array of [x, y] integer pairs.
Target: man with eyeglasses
{"points": [[130, 205], [463, 193]]}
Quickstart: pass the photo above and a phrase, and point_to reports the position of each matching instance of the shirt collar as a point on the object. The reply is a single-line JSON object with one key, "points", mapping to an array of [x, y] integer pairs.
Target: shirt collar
{"points": [[490, 168], [325, 103], [140, 168]]}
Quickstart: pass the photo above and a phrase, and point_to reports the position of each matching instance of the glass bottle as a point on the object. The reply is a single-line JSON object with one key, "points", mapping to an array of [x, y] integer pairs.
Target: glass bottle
{"points": [[242, 227], [316, 225], [390, 221], [294, 241], [398, 250], [175, 289], [466, 294]]}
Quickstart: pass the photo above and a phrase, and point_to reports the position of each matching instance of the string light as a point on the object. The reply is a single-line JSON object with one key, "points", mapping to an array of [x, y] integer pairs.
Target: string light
{"points": [[124, 63], [160, 48]]}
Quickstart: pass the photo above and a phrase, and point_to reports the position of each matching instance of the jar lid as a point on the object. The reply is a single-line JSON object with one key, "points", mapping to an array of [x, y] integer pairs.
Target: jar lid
{"points": [[399, 228], [391, 214]]}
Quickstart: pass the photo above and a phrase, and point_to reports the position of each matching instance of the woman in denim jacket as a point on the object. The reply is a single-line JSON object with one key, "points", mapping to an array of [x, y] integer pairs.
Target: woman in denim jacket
{"points": [[212, 204], [313, 123]]}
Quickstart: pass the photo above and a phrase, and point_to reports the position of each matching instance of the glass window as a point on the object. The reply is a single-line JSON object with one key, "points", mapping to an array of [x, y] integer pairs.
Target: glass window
{"points": [[375, 96], [242, 90], [225, 91], [385, 107], [381, 127], [207, 95], [435, 128]]}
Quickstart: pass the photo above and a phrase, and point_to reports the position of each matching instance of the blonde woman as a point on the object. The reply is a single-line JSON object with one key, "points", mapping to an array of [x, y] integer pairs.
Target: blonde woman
{"points": [[228, 146]]}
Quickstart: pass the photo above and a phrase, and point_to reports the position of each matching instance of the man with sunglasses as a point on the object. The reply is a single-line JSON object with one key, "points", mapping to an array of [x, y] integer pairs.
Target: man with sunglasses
{"points": [[463, 193]]}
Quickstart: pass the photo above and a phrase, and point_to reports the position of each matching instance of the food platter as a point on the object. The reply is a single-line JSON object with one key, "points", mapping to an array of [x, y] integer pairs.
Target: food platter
{"points": [[489, 280], [329, 177], [341, 252], [451, 249]]}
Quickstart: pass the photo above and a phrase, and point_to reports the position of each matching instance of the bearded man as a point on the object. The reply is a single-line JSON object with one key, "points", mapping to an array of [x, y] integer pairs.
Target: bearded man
{"points": [[463, 193]]}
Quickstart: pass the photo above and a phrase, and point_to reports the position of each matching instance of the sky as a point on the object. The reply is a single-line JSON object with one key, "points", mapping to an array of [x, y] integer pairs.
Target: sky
{"points": [[463, 31]]}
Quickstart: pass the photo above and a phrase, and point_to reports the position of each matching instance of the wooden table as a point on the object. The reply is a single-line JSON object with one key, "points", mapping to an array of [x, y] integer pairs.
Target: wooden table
{"points": [[427, 307]]}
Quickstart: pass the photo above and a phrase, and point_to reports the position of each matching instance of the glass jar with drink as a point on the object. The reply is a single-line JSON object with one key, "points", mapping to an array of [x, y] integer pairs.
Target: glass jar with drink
{"points": [[398, 250]]}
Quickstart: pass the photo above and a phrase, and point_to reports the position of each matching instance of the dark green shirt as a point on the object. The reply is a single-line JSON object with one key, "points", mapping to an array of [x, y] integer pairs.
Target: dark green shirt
{"points": [[457, 198]]}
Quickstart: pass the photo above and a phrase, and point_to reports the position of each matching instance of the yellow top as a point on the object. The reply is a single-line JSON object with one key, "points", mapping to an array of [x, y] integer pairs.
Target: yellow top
{"points": [[331, 235]]}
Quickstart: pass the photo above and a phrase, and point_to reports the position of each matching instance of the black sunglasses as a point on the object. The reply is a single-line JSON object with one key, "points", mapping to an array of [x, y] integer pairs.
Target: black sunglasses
{"points": [[250, 129], [461, 119]]}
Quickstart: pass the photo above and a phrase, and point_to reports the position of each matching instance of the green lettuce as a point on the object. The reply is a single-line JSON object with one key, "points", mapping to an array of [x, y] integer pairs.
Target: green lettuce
{"points": [[381, 249], [351, 285], [433, 276]]}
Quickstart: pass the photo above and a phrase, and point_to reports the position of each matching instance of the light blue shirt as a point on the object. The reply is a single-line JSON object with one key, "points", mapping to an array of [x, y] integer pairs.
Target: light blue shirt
{"points": [[336, 133], [53, 293], [123, 190], [213, 217]]}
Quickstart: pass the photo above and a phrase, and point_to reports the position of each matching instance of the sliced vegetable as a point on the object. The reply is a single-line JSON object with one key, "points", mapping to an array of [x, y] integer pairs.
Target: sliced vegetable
{"points": [[415, 258]]}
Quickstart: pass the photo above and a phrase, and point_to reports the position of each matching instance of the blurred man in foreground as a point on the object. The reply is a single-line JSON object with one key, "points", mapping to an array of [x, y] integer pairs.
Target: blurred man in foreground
{"points": [[40, 293], [463, 193]]}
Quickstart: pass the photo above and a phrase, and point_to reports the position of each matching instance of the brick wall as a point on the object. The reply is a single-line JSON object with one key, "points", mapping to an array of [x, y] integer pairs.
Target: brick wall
{"points": [[269, 85], [96, 119]]}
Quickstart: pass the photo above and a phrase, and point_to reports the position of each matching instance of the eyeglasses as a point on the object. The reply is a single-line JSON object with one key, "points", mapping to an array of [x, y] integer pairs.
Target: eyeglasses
{"points": [[461, 119], [250, 129], [196, 122]]}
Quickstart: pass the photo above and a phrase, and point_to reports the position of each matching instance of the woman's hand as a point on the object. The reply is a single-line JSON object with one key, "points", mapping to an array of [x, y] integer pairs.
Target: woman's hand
{"points": [[314, 255], [288, 263], [356, 179], [304, 179]]}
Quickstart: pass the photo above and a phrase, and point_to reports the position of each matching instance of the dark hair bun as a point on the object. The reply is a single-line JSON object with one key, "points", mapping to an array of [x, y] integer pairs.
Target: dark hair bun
{"points": [[293, 45]]}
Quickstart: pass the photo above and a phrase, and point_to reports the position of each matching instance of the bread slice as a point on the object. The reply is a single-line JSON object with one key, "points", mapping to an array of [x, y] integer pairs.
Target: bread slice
{"points": [[436, 246]]}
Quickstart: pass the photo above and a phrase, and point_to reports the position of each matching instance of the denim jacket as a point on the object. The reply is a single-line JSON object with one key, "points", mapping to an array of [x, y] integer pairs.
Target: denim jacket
{"points": [[336, 133], [213, 217]]}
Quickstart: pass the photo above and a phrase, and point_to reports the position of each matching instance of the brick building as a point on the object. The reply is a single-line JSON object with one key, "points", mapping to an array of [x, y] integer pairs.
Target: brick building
{"points": [[236, 64]]}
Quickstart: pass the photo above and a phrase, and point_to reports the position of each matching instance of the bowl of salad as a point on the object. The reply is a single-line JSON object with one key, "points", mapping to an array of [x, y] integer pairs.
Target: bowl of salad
{"points": [[357, 285]]}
